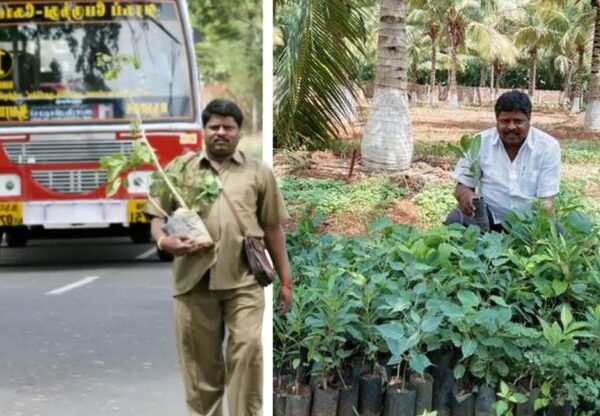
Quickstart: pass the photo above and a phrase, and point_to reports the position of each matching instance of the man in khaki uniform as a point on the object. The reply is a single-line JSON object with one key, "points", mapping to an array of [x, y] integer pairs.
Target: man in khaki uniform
{"points": [[214, 288]]}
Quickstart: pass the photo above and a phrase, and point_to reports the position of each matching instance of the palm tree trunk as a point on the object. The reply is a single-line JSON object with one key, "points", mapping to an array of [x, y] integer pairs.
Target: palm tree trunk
{"points": [[452, 87], [495, 80], [432, 93], [576, 102], [532, 72], [592, 113], [482, 76], [387, 138], [566, 94]]}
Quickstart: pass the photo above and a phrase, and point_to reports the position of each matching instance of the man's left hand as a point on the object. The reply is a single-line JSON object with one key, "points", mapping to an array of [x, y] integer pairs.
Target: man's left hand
{"points": [[284, 300]]}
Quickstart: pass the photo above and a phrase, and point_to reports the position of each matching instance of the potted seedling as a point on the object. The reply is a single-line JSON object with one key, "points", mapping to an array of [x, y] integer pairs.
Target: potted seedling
{"points": [[327, 340], [368, 293], [468, 148], [399, 398], [188, 192], [299, 396]]}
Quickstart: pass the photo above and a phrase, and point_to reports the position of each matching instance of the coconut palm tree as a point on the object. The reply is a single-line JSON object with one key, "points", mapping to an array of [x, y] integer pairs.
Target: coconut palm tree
{"points": [[534, 35], [417, 52], [575, 20], [490, 37], [492, 47], [320, 46], [458, 16], [592, 112], [430, 15], [387, 138]]}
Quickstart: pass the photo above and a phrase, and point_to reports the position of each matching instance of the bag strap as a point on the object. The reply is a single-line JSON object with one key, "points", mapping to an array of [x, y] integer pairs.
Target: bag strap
{"points": [[235, 213]]}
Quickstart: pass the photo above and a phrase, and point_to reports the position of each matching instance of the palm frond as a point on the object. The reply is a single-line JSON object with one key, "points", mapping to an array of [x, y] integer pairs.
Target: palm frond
{"points": [[324, 42]]}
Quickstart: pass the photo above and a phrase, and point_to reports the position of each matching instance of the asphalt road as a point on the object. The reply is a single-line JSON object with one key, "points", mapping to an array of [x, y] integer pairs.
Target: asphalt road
{"points": [[86, 329]]}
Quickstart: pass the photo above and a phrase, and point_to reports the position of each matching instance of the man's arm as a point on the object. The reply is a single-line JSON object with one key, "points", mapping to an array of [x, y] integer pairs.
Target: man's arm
{"points": [[547, 204], [177, 244], [275, 242], [549, 180], [464, 195]]}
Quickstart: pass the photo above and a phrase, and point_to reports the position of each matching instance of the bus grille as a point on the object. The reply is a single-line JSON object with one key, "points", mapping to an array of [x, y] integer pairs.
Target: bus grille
{"points": [[64, 151], [70, 181]]}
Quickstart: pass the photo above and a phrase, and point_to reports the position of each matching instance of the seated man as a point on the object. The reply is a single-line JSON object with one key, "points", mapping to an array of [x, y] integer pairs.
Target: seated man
{"points": [[518, 163]]}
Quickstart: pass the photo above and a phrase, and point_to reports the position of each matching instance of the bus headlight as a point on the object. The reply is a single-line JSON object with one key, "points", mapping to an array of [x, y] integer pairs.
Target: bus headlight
{"points": [[10, 184], [138, 182]]}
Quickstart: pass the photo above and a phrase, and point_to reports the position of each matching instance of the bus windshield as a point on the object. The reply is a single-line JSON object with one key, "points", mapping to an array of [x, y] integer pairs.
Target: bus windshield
{"points": [[87, 62]]}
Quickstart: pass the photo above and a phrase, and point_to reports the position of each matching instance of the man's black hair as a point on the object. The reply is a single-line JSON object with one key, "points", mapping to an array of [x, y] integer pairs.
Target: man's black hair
{"points": [[513, 101], [223, 108]]}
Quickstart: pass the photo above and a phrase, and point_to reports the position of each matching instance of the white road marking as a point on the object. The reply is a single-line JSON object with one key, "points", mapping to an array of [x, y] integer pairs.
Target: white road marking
{"points": [[72, 286], [146, 254]]}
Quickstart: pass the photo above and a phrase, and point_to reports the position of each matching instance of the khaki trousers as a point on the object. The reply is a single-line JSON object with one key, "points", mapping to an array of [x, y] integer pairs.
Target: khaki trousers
{"points": [[200, 319]]}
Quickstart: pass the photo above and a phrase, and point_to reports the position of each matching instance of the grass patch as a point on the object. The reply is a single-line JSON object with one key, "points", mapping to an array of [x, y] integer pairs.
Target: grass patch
{"points": [[580, 151], [435, 201], [572, 195], [330, 196], [440, 151]]}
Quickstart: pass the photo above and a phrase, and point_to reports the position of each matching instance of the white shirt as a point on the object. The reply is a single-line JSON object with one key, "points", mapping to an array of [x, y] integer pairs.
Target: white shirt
{"points": [[506, 185]]}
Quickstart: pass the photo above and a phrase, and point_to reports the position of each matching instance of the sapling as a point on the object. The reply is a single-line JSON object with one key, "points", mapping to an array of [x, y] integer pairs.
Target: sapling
{"points": [[188, 193], [468, 148]]}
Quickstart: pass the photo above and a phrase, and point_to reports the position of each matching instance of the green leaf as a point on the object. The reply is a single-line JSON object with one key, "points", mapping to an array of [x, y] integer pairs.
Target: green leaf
{"points": [[501, 408], [113, 187], [504, 389], [520, 398], [431, 323], [540, 404], [295, 363], [444, 252], [565, 316], [499, 301], [459, 371], [451, 310], [468, 348], [559, 287], [545, 389], [380, 225], [468, 299], [501, 367], [418, 362]]}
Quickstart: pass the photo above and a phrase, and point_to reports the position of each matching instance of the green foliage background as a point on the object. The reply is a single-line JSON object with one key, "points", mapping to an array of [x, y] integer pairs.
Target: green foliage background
{"points": [[230, 50]]}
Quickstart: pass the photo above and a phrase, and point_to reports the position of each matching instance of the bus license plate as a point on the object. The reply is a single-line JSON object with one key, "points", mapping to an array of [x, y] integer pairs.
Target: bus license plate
{"points": [[11, 213], [135, 211]]}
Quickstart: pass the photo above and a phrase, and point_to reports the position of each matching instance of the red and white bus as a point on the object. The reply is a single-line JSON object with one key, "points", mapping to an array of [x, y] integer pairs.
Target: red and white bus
{"points": [[59, 113]]}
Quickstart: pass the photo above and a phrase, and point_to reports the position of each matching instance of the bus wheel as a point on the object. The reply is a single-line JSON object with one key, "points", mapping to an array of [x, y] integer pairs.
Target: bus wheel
{"points": [[163, 255], [16, 237], [140, 233]]}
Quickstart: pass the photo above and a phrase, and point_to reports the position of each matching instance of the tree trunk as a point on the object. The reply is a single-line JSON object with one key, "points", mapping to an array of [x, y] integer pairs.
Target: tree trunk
{"points": [[496, 75], [387, 138], [492, 84], [532, 72], [576, 102], [431, 91], [482, 76], [566, 94], [592, 113], [452, 87]]}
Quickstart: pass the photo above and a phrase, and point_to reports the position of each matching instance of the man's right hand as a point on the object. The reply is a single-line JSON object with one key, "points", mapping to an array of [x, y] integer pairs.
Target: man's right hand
{"points": [[181, 245], [465, 201]]}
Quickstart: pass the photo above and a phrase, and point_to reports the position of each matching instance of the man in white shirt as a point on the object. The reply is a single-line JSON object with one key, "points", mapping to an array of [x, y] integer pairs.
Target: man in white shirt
{"points": [[518, 164]]}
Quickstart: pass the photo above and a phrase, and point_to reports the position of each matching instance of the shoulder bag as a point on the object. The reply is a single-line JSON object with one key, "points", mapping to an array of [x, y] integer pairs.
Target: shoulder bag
{"points": [[255, 251]]}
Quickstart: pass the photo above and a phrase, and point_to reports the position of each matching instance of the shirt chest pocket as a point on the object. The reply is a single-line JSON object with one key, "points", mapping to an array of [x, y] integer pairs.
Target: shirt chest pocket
{"points": [[529, 182]]}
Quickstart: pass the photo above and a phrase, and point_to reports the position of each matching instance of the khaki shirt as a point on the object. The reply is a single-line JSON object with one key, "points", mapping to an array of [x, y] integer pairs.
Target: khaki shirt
{"points": [[251, 186]]}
